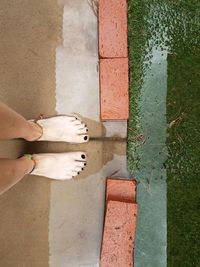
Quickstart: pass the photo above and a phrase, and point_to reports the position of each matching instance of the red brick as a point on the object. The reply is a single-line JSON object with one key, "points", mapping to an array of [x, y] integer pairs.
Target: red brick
{"points": [[121, 190], [119, 233], [113, 28], [114, 89]]}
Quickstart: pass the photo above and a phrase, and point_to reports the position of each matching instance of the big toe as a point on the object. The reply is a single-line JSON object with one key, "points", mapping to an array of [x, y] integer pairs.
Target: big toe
{"points": [[81, 138]]}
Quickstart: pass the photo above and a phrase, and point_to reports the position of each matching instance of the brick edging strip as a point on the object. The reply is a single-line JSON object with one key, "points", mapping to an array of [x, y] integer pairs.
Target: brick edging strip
{"points": [[113, 29], [113, 53], [114, 89], [120, 223]]}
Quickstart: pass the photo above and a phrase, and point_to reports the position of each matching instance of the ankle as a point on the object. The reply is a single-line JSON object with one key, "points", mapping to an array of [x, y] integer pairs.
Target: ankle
{"points": [[28, 163], [34, 131]]}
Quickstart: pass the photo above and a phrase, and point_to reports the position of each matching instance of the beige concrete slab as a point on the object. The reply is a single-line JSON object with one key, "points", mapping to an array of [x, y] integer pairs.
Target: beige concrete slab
{"points": [[80, 28], [29, 37], [115, 129], [29, 33], [77, 84], [77, 72], [77, 206]]}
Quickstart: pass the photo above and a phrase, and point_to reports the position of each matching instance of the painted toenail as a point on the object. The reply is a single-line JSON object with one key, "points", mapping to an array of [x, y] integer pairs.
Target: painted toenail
{"points": [[85, 138], [78, 173], [82, 169], [86, 130], [85, 164], [83, 156]]}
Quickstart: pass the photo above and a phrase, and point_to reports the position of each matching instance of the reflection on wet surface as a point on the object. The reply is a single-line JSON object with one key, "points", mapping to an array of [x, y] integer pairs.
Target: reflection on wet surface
{"points": [[164, 132]]}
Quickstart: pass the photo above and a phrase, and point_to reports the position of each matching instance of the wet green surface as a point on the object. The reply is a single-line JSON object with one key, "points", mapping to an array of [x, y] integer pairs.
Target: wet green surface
{"points": [[184, 157], [164, 131]]}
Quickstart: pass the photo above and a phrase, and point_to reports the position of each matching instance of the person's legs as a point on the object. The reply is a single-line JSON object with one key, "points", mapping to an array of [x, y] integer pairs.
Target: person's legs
{"points": [[57, 166], [12, 171], [59, 128], [13, 125], [60, 166]]}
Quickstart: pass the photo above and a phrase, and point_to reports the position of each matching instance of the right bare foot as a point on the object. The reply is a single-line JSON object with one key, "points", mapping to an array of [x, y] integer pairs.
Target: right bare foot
{"points": [[59, 166], [61, 128]]}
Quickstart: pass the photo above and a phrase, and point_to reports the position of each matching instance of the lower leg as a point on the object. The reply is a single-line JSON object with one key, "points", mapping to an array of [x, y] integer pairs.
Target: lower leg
{"points": [[12, 171], [13, 125], [60, 166]]}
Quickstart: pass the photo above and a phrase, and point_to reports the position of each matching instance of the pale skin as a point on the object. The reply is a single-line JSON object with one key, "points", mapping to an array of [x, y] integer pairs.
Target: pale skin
{"points": [[13, 125]]}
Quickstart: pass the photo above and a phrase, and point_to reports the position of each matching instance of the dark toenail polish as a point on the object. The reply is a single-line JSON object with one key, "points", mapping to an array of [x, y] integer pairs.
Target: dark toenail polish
{"points": [[82, 169], [86, 130], [78, 173], [85, 164], [83, 156], [85, 137]]}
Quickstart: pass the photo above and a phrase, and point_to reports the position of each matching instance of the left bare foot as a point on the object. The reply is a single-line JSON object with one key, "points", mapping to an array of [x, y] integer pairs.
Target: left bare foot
{"points": [[59, 166]]}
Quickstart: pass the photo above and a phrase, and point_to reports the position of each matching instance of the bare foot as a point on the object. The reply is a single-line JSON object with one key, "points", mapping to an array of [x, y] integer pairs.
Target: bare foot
{"points": [[63, 129], [60, 166]]}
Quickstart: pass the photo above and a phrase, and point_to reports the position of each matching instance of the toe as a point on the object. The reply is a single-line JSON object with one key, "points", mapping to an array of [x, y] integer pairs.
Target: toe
{"points": [[82, 126], [81, 164], [83, 131], [75, 116], [80, 138], [70, 174], [75, 173], [85, 138], [77, 122], [78, 169], [83, 156], [77, 156]]}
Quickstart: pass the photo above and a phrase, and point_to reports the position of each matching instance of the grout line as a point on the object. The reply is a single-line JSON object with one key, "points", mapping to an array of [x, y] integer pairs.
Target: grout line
{"points": [[109, 139]]}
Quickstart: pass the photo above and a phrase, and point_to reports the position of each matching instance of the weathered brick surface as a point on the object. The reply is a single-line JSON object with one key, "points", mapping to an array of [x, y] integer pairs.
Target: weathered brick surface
{"points": [[121, 190], [113, 28], [119, 233], [114, 89]]}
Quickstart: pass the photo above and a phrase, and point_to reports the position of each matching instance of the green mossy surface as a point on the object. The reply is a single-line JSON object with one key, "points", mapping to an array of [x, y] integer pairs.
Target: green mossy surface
{"points": [[183, 168], [174, 28]]}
